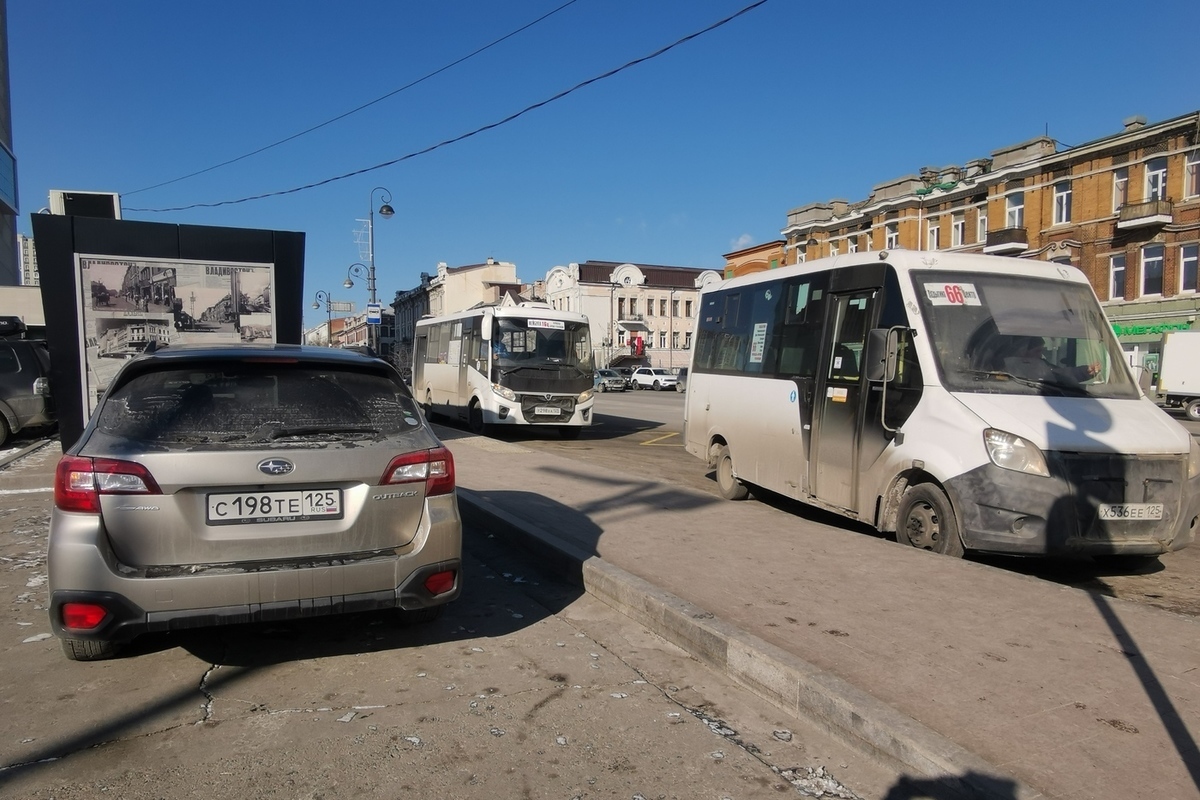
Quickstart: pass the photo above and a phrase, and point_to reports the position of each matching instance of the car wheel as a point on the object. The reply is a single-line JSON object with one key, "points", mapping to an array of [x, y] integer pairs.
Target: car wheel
{"points": [[728, 486], [475, 419], [3, 430], [1193, 409], [679, 387], [419, 616], [601, 389], [926, 521], [88, 649], [657, 386]]}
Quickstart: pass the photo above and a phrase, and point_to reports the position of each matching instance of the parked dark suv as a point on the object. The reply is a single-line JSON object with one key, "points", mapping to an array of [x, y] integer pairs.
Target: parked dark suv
{"points": [[25, 400]]}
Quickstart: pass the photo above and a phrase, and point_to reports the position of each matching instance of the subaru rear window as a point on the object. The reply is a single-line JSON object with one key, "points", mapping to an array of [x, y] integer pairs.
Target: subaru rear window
{"points": [[261, 402]]}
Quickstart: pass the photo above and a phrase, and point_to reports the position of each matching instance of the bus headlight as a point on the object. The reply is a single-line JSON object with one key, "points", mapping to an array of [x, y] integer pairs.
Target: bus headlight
{"points": [[584, 396], [1012, 452], [505, 392], [1194, 459]]}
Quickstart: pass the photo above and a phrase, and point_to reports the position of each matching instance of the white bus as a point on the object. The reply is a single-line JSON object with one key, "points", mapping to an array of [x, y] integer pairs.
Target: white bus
{"points": [[527, 364], [906, 390]]}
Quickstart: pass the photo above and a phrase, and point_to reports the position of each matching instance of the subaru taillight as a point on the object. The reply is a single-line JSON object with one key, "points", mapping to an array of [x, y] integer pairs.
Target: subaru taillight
{"points": [[435, 467], [79, 482]]}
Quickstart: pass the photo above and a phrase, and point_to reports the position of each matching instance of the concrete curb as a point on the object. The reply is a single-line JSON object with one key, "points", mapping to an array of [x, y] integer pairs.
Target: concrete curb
{"points": [[777, 676]]}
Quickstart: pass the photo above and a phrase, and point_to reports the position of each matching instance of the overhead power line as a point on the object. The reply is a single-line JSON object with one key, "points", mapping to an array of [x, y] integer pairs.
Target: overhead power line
{"points": [[352, 111], [467, 135]]}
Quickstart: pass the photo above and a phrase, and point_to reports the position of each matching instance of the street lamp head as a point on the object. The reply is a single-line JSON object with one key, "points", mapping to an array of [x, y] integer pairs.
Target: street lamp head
{"points": [[386, 211], [349, 284], [316, 305]]}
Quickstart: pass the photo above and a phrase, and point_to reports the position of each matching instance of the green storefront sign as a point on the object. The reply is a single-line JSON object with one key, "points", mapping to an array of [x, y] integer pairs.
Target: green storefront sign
{"points": [[1147, 330]]}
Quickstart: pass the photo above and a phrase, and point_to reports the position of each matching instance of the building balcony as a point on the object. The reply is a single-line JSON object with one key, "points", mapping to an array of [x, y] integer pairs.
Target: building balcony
{"points": [[1006, 241], [1144, 215]]}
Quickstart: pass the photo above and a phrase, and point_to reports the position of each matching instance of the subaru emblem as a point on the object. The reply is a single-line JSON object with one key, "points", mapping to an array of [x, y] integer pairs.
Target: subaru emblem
{"points": [[275, 466]]}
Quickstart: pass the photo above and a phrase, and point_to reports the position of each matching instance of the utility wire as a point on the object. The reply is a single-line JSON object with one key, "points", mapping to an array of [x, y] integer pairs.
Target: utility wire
{"points": [[469, 134], [353, 110]]}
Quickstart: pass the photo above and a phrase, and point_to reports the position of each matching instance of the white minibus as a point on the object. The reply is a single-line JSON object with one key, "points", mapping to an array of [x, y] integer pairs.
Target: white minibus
{"points": [[525, 364], [963, 402]]}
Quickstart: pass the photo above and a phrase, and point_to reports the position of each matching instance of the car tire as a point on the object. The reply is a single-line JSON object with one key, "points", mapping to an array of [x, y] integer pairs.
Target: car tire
{"points": [[3, 430], [728, 486], [88, 649], [657, 386], [1192, 410], [601, 389], [926, 521]]}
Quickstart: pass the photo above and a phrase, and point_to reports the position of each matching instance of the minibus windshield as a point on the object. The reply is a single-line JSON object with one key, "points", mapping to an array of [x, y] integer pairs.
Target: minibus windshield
{"points": [[1005, 334]]}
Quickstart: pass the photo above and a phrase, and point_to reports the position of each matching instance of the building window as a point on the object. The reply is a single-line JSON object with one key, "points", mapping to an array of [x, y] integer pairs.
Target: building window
{"points": [[833, 248], [687, 308], [893, 236], [1014, 215], [1191, 175], [674, 340], [1152, 269], [1116, 281], [981, 226], [662, 340], [958, 230], [1189, 257], [662, 307], [852, 244], [687, 340], [1120, 188], [1156, 179], [1062, 202], [933, 235], [633, 308], [674, 307], [867, 241], [620, 308]]}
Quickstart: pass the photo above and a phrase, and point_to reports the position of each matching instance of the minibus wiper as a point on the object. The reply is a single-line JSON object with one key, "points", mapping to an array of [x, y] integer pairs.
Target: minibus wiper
{"points": [[1035, 383]]}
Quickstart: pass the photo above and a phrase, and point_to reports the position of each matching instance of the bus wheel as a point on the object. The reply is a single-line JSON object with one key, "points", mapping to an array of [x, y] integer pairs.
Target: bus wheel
{"points": [[728, 486], [927, 522], [475, 419], [570, 433]]}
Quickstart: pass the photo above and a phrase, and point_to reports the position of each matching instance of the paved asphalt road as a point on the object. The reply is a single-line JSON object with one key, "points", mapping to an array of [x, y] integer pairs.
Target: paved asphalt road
{"points": [[524, 688]]}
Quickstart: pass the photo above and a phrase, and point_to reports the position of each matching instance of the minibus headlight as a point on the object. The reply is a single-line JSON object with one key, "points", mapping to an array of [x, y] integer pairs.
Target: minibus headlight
{"points": [[585, 395], [505, 392], [1012, 452], [1194, 459]]}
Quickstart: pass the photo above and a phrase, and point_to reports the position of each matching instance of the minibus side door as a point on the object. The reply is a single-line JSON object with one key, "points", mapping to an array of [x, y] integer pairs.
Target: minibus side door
{"points": [[839, 400]]}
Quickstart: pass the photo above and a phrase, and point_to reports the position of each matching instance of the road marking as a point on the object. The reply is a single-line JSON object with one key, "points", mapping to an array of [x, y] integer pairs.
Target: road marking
{"points": [[655, 442]]}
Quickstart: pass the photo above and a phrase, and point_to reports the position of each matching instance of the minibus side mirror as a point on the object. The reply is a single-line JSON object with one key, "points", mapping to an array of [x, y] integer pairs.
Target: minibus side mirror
{"points": [[879, 361], [485, 329]]}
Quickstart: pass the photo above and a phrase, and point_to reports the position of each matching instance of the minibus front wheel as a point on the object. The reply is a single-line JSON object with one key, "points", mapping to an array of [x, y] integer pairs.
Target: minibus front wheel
{"points": [[926, 521]]}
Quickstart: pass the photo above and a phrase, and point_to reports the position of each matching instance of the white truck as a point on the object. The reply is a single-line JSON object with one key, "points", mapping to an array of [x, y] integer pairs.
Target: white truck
{"points": [[1179, 372]]}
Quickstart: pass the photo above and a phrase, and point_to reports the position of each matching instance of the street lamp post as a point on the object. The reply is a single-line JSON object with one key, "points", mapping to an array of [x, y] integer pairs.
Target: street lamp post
{"points": [[323, 297], [385, 211], [360, 270]]}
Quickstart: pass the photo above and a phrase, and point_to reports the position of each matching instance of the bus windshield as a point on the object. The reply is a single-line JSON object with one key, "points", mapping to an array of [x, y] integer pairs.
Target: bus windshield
{"points": [[1005, 334], [542, 345]]}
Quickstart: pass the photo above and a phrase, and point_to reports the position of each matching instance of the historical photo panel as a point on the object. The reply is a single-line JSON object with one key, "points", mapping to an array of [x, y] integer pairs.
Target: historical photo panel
{"points": [[127, 304]]}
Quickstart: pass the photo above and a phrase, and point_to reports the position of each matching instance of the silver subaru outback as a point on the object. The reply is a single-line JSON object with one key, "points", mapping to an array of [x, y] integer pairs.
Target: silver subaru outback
{"points": [[248, 483]]}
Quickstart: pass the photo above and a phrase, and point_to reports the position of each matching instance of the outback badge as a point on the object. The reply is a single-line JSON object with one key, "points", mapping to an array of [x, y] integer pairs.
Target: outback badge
{"points": [[275, 466]]}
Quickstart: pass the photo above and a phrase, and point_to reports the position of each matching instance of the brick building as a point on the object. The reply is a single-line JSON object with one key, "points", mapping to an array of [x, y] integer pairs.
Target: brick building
{"points": [[1125, 209]]}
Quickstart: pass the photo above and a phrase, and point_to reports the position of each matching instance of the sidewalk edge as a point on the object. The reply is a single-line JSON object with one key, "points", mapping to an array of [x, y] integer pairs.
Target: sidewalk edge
{"points": [[773, 674]]}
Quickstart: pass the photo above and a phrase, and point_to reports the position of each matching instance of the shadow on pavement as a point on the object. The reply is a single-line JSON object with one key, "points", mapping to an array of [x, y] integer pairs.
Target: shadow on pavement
{"points": [[953, 787]]}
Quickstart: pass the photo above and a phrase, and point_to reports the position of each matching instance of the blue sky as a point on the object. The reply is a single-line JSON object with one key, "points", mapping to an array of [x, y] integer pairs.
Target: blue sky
{"points": [[678, 160]]}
